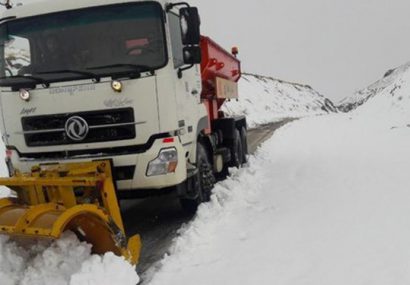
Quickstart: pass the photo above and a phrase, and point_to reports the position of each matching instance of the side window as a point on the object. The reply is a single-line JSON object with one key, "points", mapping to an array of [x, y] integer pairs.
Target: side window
{"points": [[176, 38], [17, 55]]}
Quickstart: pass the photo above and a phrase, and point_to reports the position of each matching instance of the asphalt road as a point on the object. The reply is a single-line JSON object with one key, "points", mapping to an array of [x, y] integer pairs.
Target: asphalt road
{"points": [[257, 136], [158, 219]]}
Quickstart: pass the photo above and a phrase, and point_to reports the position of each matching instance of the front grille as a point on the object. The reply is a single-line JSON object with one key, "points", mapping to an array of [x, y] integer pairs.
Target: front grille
{"points": [[90, 153], [107, 125]]}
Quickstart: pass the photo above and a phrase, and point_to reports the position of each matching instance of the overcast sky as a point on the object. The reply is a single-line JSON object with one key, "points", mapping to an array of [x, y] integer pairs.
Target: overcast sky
{"points": [[337, 46]]}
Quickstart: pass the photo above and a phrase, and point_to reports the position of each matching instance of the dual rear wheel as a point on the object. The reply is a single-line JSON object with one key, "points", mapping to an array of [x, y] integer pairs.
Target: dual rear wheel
{"points": [[239, 151], [204, 180]]}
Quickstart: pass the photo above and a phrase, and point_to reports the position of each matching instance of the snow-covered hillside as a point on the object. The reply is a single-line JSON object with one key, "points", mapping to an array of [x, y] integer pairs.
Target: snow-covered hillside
{"points": [[362, 96], [388, 102], [265, 99], [324, 201]]}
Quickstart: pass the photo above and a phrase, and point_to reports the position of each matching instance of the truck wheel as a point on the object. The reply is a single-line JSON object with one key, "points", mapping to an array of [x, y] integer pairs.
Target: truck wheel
{"points": [[206, 181], [237, 151], [244, 140]]}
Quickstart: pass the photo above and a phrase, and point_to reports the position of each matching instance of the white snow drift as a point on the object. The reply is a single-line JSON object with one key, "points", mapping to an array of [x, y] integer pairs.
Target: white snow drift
{"points": [[66, 262], [265, 100], [325, 201]]}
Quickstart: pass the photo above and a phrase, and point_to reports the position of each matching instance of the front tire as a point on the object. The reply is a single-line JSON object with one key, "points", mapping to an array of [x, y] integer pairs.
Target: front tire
{"points": [[205, 181]]}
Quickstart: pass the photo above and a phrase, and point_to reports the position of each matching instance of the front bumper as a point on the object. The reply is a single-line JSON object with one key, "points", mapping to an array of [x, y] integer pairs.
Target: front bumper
{"points": [[137, 163]]}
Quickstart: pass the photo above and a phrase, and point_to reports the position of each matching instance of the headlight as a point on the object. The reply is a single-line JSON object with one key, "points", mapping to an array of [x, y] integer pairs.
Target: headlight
{"points": [[25, 95], [166, 162], [116, 85]]}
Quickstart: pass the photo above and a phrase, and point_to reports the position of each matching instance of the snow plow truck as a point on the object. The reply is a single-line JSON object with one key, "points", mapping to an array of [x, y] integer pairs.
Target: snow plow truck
{"points": [[102, 100]]}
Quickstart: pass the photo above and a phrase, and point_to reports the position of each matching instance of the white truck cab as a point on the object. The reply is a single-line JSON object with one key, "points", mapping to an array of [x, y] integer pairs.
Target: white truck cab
{"points": [[100, 79], [132, 82]]}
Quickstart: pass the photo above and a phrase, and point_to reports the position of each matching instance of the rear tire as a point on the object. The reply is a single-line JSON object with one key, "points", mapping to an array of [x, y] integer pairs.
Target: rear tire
{"points": [[237, 150], [206, 181], [244, 140]]}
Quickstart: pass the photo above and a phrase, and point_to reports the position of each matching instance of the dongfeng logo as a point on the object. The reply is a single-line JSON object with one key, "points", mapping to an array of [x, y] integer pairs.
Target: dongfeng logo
{"points": [[76, 128]]}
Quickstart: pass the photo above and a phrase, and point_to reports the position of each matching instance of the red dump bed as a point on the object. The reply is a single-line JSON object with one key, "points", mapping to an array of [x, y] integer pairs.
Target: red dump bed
{"points": [[217, 62], [220, 70]]}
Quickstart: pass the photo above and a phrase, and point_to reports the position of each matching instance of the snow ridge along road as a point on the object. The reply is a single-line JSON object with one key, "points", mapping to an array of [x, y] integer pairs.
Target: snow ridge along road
{"points": [[324, 201]]}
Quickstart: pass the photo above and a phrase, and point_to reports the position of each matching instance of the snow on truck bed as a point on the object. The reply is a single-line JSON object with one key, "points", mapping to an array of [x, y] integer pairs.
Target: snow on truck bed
{"points": [[325, 201]]}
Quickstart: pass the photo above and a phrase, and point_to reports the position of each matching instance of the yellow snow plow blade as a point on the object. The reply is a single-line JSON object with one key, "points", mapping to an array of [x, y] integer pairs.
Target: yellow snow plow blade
{"points": [[77, 197]]}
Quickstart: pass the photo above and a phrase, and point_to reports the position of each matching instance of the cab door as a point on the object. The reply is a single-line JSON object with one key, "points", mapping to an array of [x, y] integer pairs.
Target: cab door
{"points": [[187, 86]]}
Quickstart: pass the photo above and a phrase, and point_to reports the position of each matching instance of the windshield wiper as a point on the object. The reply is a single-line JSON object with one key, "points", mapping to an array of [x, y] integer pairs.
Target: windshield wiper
{"points": [[37, 80], [139, 68], [80, 72]]}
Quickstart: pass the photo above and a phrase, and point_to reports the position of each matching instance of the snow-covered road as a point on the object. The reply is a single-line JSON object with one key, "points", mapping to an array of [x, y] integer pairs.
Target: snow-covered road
{"points": [[325, 201]]}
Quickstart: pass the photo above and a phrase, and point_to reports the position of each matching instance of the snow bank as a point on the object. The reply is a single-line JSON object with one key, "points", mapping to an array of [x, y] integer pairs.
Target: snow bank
{"points": [[325, 201], [65, 262], [265, 100]]}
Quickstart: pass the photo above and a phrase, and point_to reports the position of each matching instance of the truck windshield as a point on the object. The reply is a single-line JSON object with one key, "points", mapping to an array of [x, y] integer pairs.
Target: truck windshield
{"points": [[97, 41]]}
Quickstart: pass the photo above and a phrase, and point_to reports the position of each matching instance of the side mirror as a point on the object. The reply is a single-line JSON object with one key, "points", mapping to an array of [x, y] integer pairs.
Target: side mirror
{"points": [[192, 55], [190, 23]]}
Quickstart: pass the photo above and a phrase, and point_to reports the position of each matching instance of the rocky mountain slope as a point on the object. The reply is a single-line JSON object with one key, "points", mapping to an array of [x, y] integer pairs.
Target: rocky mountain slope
{"points": [[362, 96], [265, 99]]}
